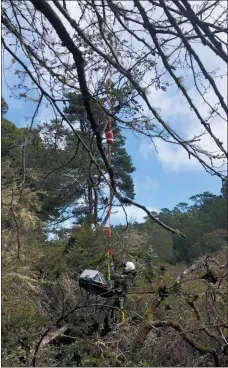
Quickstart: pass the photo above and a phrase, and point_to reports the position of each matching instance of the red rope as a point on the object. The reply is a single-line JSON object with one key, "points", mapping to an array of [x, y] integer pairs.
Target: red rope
{"points": [[110, 146], [109, 136]]}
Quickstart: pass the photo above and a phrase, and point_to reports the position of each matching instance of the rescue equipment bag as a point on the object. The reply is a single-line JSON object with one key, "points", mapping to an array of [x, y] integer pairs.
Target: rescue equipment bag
{"points": [[93, 281]]}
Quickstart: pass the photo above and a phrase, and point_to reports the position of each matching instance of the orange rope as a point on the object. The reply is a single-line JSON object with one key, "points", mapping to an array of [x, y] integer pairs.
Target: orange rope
{"points": [[110, 141]]}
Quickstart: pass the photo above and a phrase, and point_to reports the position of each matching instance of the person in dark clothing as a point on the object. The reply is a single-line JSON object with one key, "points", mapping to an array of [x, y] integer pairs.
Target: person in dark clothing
{"points": [[121, 282]]}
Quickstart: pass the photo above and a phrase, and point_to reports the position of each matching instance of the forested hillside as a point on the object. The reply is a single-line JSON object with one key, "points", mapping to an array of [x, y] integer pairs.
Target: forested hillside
{"points": [[107, 70], [41, 276], [203, 220]]}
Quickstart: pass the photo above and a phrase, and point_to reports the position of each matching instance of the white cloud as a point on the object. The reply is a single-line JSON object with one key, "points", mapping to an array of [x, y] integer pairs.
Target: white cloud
{"points": [[175, 158], [133, 214], [172, 104], [175, 109]]}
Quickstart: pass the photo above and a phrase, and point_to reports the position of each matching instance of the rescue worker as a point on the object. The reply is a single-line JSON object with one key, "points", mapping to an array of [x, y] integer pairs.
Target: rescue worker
{"points": [[121, 282]]}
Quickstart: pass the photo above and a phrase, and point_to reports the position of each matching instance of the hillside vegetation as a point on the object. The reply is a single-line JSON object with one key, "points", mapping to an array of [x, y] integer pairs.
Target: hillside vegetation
{"points": [[43, 310], [86, 82]]}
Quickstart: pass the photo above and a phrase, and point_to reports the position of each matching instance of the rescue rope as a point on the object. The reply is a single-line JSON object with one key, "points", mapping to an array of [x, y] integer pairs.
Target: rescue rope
{"points": [[110, 139]]}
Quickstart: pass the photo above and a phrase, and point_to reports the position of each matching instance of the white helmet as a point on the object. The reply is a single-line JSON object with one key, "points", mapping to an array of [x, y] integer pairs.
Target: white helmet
{"points": [[129, 267]]}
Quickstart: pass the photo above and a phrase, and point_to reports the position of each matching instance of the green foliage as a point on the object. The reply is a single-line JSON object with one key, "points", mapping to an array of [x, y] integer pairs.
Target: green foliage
{"points": [[159, 240], [224, 188], [76, 113], [4, 106], [208, 243], [68, 170], [42, 286], [204, 217], [12, 140]]}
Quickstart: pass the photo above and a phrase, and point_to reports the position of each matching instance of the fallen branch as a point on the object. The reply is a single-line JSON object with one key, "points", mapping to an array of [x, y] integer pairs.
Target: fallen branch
{"points": [[54, 335], [146, 328]]}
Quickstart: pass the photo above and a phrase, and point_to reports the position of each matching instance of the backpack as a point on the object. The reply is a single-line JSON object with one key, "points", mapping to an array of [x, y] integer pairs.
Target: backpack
{"points": [[93, 281]]}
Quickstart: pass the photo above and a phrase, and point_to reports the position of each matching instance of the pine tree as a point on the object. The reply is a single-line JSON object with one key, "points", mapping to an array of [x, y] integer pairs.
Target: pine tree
{"points": [[121, 161]]}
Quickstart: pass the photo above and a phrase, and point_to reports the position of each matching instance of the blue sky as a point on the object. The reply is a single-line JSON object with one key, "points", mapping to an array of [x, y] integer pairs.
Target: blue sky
{"points": [[168, 177], [156, 186], [167, 188]]}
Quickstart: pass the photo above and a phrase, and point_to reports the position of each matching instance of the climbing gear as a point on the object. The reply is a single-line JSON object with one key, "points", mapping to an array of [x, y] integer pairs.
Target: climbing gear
{"points": [[111, 255], [111, 264], [110, 137]]}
